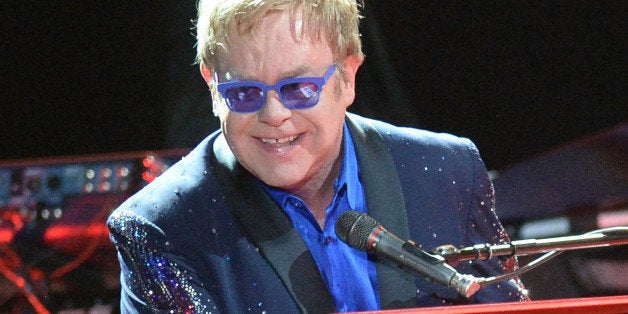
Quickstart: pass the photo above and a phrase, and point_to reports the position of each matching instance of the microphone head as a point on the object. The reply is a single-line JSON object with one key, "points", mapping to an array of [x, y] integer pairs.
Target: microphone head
{"points": [[355, 228]]}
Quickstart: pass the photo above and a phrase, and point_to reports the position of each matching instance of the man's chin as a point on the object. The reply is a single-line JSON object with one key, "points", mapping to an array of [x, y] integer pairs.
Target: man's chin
{"points": [[283, 182]]}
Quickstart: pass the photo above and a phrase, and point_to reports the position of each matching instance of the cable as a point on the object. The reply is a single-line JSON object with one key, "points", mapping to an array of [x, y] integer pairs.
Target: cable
{"points": [[22, 285], [84, 256]]}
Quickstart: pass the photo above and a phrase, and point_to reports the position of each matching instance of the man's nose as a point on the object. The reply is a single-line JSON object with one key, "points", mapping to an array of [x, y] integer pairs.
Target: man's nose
{"points": [[274, 113]]}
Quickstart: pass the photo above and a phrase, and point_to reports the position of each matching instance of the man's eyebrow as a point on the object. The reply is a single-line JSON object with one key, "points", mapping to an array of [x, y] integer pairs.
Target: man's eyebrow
{"points": [[233, 75], [299, 71]]}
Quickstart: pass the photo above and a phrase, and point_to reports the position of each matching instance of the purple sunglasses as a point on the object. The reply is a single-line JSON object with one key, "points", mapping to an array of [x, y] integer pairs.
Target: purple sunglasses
{"points": [[295, 93]]}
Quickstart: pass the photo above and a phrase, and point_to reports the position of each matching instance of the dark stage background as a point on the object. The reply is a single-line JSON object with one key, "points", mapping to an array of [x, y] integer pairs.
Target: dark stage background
{"points": [[519, 78]]}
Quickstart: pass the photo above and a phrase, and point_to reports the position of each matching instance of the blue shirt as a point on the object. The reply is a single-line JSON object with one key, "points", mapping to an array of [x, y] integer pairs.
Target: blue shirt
{"points": [[350, 276]]}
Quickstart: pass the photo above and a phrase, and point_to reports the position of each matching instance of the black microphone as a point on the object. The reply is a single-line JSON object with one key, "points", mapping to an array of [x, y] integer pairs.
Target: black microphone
{"points": [[366, 234]]}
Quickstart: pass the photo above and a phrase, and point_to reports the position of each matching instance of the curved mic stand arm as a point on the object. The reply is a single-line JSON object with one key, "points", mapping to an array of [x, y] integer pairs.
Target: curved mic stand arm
{"points": [[598, 238], [551, 246]]}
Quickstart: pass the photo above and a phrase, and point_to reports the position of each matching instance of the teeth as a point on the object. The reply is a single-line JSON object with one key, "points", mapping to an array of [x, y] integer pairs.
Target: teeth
{"points": [[279, 140]]}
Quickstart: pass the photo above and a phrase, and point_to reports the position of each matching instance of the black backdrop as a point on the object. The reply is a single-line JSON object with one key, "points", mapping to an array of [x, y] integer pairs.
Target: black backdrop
{"points": [[519, 78]]}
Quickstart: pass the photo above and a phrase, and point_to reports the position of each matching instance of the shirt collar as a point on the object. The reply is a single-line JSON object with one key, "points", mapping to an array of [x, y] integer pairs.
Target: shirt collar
{"points": [[350, 172]]}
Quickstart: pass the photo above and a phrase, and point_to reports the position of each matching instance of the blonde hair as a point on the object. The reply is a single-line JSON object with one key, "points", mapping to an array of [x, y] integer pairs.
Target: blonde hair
{"points": [[336, 20]]}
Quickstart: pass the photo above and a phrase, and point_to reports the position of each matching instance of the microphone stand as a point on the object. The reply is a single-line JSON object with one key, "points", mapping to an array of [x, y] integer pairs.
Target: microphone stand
{"points": [[599, 238]]}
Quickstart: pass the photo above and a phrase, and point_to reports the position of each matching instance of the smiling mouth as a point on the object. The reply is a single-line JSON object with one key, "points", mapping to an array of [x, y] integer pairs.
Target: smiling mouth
{"points": [[282, 140]]}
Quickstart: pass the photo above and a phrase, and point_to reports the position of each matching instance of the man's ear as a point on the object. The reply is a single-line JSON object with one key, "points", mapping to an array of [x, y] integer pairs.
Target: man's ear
{"points": [[351, 64], [206, 73]]}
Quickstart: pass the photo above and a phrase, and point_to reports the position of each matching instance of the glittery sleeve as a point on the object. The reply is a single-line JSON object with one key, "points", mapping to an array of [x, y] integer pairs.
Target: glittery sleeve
{"points": [[153, 278], [484, 226]]}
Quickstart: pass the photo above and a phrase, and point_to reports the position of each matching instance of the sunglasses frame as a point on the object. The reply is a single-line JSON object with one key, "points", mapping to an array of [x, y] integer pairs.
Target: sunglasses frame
{"points": [[319, 81]]}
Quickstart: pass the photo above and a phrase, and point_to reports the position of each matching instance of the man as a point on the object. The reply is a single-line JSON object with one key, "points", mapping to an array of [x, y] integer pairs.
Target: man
{"points": [[245, 222]]}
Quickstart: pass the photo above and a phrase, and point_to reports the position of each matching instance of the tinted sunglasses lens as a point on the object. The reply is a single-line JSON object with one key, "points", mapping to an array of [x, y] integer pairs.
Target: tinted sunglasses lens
{"points": [[300, 95], [244, 98]]}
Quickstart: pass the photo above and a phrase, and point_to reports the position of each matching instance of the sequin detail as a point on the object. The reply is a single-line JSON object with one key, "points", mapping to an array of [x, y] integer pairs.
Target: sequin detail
{"points": [[160, 282]]}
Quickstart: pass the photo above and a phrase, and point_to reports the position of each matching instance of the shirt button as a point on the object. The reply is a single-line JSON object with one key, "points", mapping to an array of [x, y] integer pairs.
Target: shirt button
{"points": [[328, 240]]}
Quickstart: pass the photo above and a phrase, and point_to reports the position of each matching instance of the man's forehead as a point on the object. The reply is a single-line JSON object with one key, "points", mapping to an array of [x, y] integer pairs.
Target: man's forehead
{"points": [[279, 63], [286, 23]]}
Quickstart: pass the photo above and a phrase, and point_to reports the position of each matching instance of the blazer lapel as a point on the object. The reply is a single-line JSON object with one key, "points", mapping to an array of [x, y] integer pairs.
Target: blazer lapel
{"points": [[269, 228], [386, 205]]}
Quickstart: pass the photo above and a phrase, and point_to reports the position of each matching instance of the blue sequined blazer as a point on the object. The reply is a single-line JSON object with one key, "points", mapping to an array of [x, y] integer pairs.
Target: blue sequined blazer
{"points": [[204, 237]]}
